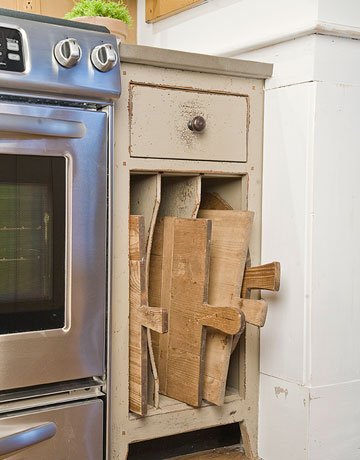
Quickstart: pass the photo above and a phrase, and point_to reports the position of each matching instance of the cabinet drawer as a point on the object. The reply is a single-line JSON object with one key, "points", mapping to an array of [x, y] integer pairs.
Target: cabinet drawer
{"points": [[159, 119]]}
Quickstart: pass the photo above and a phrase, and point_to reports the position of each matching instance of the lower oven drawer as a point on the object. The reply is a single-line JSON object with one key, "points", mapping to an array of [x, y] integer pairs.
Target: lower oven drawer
{"points": [[66, 432]]}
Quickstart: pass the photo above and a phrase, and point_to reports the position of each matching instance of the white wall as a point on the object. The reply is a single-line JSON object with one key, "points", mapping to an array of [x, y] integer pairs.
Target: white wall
{"points": [[311, 127], [310, 353], [223, 26], [227, 27]]}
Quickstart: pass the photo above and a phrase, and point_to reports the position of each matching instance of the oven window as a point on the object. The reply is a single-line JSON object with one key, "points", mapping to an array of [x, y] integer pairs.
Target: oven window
{"points": [[32, 243]]}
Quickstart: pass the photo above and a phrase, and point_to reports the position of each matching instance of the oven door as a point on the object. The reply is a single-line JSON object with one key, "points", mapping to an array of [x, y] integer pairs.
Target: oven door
{"points": [[53, 210], [65, 432]]}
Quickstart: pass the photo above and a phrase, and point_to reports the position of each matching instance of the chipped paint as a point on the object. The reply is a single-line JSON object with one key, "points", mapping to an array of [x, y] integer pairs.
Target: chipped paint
{"points": [[279, 391], [186, 88], [178, 105]]}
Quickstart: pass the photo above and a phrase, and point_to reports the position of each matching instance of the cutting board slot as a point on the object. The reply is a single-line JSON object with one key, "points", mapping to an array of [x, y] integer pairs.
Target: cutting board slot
{"points": [[180, 196], [159, 195], [145, 193], [221, 193], [237, 368], [228, 193]]}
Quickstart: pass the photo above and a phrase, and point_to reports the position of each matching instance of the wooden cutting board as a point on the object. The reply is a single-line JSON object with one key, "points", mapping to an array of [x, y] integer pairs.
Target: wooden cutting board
{"points": [[231, 232], [141, 317], [224, 453], [265, 277], [184, 289]]}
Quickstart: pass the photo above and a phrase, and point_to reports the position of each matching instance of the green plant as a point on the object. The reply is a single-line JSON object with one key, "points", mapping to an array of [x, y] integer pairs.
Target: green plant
{"points": [[109, 9]]}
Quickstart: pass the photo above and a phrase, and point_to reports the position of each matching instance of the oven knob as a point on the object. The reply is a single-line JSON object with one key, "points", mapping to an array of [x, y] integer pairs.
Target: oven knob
{"points": [[67, 52], [104, 57]]}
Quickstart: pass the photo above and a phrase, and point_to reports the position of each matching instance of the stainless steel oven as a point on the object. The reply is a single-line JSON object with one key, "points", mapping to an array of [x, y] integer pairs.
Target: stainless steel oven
{"points": [[70, 431], [58, 83], [53, 211]]}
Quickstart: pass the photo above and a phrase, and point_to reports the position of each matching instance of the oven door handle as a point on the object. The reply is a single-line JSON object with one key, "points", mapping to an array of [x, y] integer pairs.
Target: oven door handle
{"points": [[40, 126], [27, 437]]}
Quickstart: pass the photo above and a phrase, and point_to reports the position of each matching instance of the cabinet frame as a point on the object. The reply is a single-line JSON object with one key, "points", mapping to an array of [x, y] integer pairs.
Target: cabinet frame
{"points": [[165, 67]]}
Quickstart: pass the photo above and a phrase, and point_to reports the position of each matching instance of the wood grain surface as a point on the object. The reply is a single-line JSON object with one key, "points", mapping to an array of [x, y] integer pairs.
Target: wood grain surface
{"points": [[230, 239], [184, 289], [212, 200], [254, 310], [265, 277], [160, 9], [180, 197], [145, 199], [141, 317], [224, 453]]}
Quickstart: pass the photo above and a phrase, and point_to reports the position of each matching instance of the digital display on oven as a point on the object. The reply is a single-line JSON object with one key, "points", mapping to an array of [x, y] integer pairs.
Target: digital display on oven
{"points": [[11, 50]]}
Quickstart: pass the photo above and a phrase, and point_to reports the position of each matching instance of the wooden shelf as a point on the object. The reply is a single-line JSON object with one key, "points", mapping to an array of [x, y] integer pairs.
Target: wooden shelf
{"points": [[169, 405], [174, 417]]}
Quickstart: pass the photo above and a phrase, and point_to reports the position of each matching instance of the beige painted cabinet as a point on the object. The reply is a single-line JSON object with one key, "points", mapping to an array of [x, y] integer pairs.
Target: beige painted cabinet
{"points": [[186, 126]]}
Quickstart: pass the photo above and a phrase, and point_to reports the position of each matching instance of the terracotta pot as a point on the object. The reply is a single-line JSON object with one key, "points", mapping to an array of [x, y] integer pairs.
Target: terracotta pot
{"points": [[116, 27]]}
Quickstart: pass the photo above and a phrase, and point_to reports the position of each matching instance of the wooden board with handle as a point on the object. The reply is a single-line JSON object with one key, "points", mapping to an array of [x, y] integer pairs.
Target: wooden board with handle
{"points": [[184, 288], [141, 317], [228, 254], [266, 277], [180, 197]]}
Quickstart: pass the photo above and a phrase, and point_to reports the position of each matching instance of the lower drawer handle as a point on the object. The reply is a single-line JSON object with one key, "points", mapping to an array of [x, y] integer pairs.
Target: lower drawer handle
{"points": [[197, 124], [26, 437]]}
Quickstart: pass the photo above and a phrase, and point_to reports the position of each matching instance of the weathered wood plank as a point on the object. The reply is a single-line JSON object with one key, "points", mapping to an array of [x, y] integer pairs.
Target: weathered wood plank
{"points": [[255, 311], [212, 200], [160, 9], [184, 288], [225, 453], [265, 277], [229, 248], [145, 199], [141, 317], [180, 197]]}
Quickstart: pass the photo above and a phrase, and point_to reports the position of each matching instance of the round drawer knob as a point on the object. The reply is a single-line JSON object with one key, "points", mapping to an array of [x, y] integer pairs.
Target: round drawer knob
{"points": [[197, 124], [67, 52]]}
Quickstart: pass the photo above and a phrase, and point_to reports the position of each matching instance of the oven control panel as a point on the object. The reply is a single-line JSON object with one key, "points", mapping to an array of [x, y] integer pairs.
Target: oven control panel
{"points": [[49, 56], [11, 50]]}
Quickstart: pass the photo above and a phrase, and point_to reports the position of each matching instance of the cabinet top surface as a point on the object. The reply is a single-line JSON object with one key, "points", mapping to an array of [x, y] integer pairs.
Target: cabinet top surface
{"points": [[172, 59]]}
